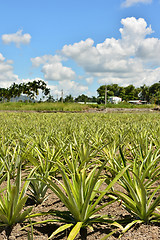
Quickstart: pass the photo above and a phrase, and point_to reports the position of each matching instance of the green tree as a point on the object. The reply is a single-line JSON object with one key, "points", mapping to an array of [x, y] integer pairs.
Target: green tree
{"points": [[144, 93], [82, 98], [121, 93], [3, 94], [112, 90], [126, 93], [154, 93], [93, 99], [69, 98], [131, 93], [50, 98], [15, 90], [31, 89]]}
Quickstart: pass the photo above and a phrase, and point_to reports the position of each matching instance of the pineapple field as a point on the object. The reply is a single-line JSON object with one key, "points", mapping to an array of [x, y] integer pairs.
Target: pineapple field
{"points": [[79, 176]]}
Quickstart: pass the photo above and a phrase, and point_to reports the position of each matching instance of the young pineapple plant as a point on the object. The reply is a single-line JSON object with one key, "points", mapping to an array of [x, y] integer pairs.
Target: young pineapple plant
{"points": [[9, 157], [38, 190], [141, 196], [12, 202], [80, 192], [44, 158]]}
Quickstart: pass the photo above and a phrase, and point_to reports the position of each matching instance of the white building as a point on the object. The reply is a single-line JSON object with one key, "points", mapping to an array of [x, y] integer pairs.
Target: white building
{"points": [[114, 100]]}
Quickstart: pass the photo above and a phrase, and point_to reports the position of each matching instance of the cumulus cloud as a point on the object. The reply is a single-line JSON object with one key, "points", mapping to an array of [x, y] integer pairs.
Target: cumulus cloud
{"points": [[125, 60], [1, 57], [131, 59], [89, 80], [26, 80], [106, 56], [69, 87], [7, 77], [129, 3], [79, 51], [18, 38], [149, 51], [134, 30], [72, 87], [57, 72], [53, 68], [37, 61], [55, 91]]}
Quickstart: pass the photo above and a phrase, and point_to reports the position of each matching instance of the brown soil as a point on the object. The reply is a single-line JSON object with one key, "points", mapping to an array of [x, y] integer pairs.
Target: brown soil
{"points": [[92, 110], [43, 231]]}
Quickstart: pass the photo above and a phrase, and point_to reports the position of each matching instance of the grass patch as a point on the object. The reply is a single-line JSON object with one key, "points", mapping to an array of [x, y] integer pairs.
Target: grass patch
{"points": [[47, 106], [43, 106], [129, 105]]}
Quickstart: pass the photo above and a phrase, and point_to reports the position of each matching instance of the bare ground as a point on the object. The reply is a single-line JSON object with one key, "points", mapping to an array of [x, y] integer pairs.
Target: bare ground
{"points": [[93, 110], [43, 231]]}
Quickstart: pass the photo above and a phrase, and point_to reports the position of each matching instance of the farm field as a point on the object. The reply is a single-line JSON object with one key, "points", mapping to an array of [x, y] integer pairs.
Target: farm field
{"points": [[58, 106], [79, 176]]}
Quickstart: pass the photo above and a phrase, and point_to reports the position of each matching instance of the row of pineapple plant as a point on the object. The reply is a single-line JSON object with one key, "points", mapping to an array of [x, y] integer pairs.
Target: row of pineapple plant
{"points": [[74, 160]]}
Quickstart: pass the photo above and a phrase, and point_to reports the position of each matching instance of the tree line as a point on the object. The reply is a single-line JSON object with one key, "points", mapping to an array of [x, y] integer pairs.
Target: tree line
{"points": [[150, 94], [30, 89]]}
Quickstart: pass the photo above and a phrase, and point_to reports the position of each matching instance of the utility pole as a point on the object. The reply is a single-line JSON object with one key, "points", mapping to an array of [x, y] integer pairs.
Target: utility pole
{"points": [[62, 96], [105, 95]]}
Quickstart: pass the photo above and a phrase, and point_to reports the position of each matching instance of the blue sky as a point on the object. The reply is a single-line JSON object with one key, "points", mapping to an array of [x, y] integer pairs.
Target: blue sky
{"points": [[79, 45]]}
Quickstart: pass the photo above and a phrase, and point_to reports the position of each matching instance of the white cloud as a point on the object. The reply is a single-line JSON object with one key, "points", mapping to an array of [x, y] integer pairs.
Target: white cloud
{"points": [[1, 58], [18, 38], [69, 87], [81, 52], [134, 30], [57, 72], [55, 91], [125, 60], [89, 80], [25, 80], [53, 69], [37, 61], [72, 87], [149, 51], [131, 59], [7, 77], [98, 58], [129, 3]]}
